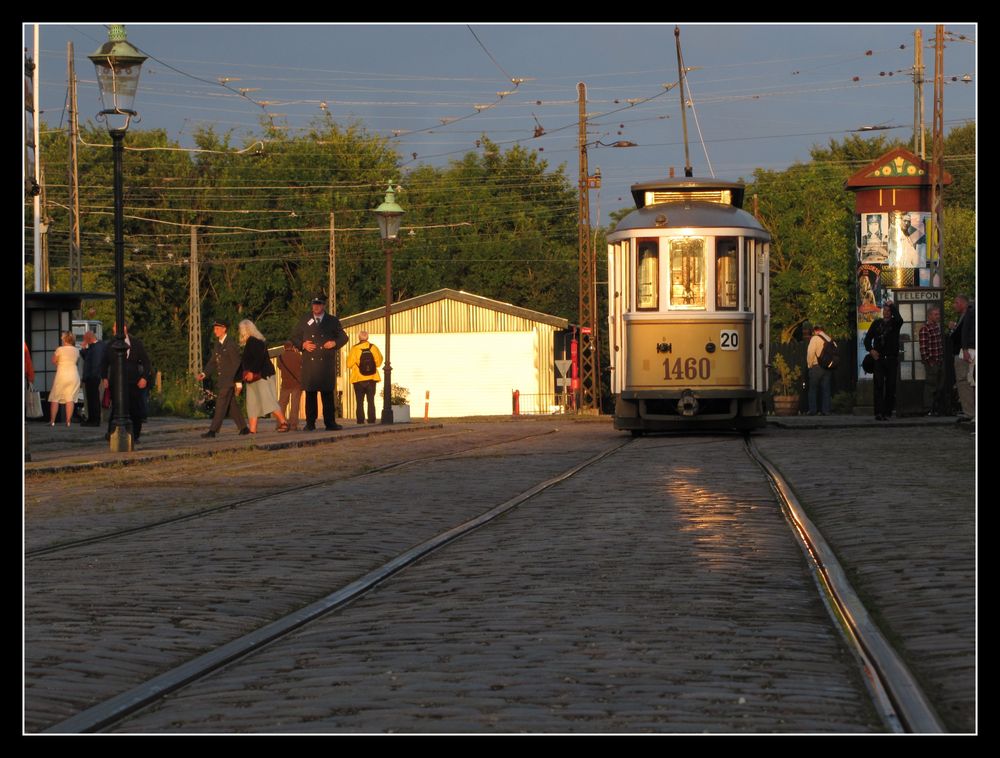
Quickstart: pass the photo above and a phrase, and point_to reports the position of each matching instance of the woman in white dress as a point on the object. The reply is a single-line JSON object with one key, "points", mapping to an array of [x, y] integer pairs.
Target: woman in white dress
{"points": [[67, 382]]}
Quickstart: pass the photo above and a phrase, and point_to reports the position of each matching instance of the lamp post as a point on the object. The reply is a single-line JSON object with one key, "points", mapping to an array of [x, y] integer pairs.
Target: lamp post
{"points": [[118, 64], [390, 216]]}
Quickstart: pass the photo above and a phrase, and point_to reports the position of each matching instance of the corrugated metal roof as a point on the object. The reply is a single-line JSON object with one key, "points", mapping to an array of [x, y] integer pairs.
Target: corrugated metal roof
{"points": [[466, 298]]}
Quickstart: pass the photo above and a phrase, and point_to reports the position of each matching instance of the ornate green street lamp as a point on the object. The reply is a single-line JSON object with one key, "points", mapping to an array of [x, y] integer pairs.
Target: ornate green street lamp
{"points": [[390, 216], [118, 64]]}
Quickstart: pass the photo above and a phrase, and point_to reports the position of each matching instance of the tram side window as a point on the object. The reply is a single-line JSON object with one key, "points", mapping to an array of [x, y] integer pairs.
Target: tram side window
{"points": [[647, 284], [748, 279], [727, 274], [687, 273]]}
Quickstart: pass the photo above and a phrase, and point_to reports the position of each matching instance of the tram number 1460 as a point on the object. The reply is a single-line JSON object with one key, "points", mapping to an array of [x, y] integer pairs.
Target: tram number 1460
{"points": [[687, 368]]}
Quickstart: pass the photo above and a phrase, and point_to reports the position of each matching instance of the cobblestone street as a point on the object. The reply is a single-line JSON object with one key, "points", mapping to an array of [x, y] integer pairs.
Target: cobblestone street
{"points": [[658, 590]]}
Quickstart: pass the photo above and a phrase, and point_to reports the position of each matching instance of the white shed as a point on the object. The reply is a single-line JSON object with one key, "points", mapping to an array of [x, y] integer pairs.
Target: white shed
{"points": [[461, 354]]}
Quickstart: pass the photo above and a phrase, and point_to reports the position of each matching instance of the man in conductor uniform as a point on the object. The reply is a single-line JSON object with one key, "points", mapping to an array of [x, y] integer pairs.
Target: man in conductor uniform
{"points": [[223, 367], [319, 336]]}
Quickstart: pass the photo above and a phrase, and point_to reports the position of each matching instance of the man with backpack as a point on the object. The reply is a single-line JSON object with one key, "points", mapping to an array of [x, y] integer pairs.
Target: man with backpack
{"points": [[363, 362], [822, 357]]}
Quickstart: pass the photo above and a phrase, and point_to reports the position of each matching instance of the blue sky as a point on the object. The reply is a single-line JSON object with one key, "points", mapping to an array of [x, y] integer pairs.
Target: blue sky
{"points": [[763, 93]]}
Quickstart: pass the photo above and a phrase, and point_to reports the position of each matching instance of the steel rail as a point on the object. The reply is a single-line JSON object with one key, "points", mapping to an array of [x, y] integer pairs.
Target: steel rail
{"points": [[897, 695], [118, 707], [107, 536]]}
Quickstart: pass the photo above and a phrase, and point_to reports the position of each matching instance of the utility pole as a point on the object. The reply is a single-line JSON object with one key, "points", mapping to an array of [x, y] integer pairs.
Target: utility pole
{"points": [[332, 278], [937, 163], [919, 146], [688, 171], [194, 310], [37, 150], [590, 387], [43, 232], [75, 263]]}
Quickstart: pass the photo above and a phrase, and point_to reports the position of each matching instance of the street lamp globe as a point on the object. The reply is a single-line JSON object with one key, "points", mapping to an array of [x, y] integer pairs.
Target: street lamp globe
{"points": [[390, 216], [118, 64]]}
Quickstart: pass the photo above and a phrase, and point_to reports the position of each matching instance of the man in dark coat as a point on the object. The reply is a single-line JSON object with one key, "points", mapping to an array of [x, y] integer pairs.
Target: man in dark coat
{"points": [[319, 336], [882, 344], [223, 367], [963, 342], [138, 375], [93, 358]]}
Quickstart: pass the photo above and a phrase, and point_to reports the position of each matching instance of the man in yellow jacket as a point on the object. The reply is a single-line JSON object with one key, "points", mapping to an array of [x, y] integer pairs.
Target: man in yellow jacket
{"points": [[363, 362]]}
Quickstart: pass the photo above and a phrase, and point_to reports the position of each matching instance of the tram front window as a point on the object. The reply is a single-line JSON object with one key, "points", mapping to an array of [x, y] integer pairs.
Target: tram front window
{"points": [[687, 273], [647, 285]]}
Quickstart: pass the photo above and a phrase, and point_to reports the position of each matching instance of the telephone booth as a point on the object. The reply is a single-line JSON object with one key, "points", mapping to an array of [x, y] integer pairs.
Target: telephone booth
{"points": [[895, 261]]}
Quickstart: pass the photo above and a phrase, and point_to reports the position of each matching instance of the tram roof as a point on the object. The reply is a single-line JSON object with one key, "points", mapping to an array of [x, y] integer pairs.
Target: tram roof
{"points": [[694, 214], [675, 189]]}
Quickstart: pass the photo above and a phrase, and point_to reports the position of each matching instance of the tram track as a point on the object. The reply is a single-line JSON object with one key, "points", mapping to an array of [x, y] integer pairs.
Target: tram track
{"points": [[234, 666], [896, 694], [202, 513], [898, 698], [115, 709]]}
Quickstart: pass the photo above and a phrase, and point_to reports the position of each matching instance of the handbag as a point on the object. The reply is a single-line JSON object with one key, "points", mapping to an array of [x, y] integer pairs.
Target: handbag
{"points": [[32, 402], [106, 400]]}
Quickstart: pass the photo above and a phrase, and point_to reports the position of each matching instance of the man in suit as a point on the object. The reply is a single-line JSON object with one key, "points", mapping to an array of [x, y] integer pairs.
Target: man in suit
{"points": [[223, 367], [319, 336], [138, 374], [93, 358]]}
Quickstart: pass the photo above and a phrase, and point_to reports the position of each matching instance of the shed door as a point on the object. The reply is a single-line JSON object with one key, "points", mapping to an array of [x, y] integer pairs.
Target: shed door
{"points": [[467, 373]]}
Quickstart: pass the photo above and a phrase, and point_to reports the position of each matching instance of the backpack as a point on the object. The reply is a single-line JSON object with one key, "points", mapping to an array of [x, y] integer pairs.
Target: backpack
{"points": [[366, 364], [829, 356]]}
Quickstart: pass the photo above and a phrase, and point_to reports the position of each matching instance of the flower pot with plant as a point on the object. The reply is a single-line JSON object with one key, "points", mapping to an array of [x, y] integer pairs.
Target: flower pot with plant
{"points": [[399, 398], [786, 388]]}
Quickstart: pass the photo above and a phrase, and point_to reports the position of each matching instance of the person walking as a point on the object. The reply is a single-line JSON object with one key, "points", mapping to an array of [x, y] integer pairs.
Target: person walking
{"points": [[258, 376], [224, 367], [67, 381], [363, 361]]}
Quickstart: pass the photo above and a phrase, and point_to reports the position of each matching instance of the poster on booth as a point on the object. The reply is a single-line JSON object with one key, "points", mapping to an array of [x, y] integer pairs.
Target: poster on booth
{"points": [[869, 306], [908, 239], [869, 286], [872, 237]]}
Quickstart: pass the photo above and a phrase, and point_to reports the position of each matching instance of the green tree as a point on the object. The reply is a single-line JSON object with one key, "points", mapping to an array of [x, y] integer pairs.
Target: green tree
{"points": [[810, 216], [497, 223]]}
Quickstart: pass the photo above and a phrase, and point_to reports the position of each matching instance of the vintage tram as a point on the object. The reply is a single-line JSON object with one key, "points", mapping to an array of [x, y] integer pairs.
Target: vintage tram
{"points": [[688, 309]]}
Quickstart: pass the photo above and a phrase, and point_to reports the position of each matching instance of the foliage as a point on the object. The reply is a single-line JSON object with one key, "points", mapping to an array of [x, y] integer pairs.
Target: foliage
{"points": [[810, 215], [959, 258], [497, 222], [398, 395], [180, 397], [960, 162], [842, 403], [787, 382], [503, 227]]}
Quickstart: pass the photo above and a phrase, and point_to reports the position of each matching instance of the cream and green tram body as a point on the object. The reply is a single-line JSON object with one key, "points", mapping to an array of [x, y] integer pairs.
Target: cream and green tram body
{"points": [[688, 309]]}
